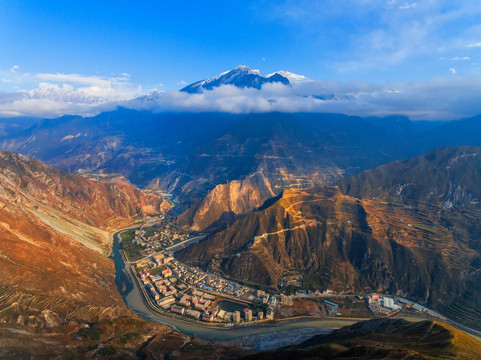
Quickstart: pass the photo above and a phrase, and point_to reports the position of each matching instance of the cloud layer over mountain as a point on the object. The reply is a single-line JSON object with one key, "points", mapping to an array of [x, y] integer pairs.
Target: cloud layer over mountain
{"points": [[59, 94]]}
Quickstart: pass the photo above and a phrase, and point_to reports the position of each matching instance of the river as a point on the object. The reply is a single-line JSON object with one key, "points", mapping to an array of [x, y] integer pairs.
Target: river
{"points": [[135, 301]]}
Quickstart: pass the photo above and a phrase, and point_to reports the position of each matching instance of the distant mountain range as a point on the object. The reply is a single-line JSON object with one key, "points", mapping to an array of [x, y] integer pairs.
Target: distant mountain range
{"points": [[189, 154], [242, 77]]}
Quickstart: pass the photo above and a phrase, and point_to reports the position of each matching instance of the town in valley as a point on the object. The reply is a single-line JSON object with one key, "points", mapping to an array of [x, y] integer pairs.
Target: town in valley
{"points": [[172, 287]]}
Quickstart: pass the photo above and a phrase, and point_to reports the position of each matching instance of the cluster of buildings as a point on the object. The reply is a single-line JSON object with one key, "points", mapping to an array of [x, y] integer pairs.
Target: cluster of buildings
{"points": [[210, 282], [382, 305], [411, 305], [163, 238], [197, 306], [168, 236], [188, 291], [272, 301]]}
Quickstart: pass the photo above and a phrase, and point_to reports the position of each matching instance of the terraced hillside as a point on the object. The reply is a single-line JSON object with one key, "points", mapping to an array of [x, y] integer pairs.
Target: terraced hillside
{"points": [[425, 250], [54, 240], [446, 179]]}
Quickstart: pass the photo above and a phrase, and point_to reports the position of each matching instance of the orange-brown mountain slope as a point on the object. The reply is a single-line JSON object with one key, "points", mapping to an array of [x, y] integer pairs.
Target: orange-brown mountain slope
{"points": [[227, 201], [339, 242], [54, 233], [411, 228]]}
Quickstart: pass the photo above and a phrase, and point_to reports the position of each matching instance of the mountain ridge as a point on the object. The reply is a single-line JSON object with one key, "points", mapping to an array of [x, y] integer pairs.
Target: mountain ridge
{"points": [[241, 76], [189, 154], [350, 244]]}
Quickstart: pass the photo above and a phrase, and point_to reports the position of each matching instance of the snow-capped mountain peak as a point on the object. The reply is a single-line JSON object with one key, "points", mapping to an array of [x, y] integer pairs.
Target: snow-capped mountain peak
{"points": [[240, 69], [293, 78], [242, 76]]}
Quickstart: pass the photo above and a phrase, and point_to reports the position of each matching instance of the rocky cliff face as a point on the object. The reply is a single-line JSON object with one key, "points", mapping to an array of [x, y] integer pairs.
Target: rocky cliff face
{"points": [[49, 279], [54, 231], [227, 201], [335, 240], [59, 198]]}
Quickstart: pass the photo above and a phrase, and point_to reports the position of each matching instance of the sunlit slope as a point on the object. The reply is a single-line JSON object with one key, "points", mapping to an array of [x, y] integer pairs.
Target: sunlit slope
{"points": [[54, 231], [428, 251]]}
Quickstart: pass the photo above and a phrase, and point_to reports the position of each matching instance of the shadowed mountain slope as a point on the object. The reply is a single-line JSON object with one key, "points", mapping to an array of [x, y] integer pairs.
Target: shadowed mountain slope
{"points": [[447, 177], [384, 339], [188, 154]]}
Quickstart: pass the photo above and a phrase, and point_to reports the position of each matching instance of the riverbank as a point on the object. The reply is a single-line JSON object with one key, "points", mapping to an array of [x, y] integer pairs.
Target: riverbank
{"points": [[283, 332], [135, 300]]}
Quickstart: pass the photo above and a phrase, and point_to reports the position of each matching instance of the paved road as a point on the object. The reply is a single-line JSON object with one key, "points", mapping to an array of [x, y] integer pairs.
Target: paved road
{"points": [[174, 248], [134, 299]]}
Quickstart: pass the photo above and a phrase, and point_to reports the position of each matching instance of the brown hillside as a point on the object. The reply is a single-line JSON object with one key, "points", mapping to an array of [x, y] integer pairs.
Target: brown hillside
{"points": [[339, 242], [54, 233]]}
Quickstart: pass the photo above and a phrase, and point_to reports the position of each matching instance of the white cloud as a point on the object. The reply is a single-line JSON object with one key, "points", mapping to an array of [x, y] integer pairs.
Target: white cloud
{"points": [[99, 81], [452, 70], [59, 94], [457, 58], [474, 45], [382, 34], [51, 95], [440, 98], [14, 68], [408, 6]]}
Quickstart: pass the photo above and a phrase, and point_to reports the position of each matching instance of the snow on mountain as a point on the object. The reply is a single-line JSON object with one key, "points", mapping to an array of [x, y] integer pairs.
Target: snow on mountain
{"points": [[64, 94], [293, 78], [240, 68], [242, 76]]}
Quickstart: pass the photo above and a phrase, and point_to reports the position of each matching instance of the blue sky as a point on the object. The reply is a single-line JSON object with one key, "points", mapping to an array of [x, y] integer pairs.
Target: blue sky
{"points": [[137, 47]]}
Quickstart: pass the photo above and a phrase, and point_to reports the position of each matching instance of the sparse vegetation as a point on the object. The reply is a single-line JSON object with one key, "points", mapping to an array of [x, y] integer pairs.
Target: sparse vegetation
{"points": [[90, 333], [127, 338]]}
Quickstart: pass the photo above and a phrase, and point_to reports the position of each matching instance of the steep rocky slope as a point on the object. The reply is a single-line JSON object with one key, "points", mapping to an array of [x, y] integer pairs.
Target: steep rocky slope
{"points": [[58, 299], [336, 144], [448, 177], [426, 250], [227, 201], [69, 203], [54, 230], [53, 282]]}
